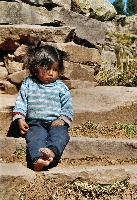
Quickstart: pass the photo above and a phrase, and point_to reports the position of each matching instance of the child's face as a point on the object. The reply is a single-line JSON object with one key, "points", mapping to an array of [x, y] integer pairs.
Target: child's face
{"points": [[48, 75]]}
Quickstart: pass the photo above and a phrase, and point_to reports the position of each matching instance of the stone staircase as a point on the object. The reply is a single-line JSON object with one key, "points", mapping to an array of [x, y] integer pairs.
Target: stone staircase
{"points": [[77, 149], [100, 104]]}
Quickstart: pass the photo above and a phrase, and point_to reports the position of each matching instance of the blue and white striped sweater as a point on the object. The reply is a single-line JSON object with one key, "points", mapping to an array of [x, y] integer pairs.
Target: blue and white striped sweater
{"points": [[48, 102]]}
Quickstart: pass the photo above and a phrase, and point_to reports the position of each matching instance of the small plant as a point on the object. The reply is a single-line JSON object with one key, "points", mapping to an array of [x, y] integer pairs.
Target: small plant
{"points": [[124, 71], [50, 179], [94, 191], [117, 130], [129, 129], [109, 78], [125, 39], [20, 151]]}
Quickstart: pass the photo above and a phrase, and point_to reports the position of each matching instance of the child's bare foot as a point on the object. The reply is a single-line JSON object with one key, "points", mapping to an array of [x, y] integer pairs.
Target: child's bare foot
{"points": [[47, 153], [42, 162]]}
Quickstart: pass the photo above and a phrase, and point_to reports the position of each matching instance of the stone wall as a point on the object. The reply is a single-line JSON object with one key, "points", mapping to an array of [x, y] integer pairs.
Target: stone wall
{"points": [[81, 38], [85, 35]]}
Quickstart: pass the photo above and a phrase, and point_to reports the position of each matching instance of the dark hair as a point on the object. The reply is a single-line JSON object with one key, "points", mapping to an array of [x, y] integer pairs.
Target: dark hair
{"points": [[45, 56]]}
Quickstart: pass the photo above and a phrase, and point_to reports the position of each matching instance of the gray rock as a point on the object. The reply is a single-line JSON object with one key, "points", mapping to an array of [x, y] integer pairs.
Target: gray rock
{"points": [[13, 66], [3, 73], [105, 104], [97, 174], [110, 148], [18, 77], [76, 71], [21, 13], [25, 33], [16, 170], [99, 9], [10, 88], [89, 31], [75, 84], [12, 144], [80, 54], [109, 61], [63, 3]]}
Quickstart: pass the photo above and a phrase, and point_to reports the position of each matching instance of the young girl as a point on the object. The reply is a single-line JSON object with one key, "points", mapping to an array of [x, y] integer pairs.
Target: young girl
{"points": [[43, 108]]}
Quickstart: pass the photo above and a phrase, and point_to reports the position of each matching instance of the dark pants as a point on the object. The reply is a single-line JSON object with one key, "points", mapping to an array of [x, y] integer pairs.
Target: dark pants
{"points": [[41, 135]]}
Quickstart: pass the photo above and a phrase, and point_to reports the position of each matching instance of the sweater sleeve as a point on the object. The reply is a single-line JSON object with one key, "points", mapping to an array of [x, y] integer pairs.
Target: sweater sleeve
{"points": [[66, 105], [20, 108]]}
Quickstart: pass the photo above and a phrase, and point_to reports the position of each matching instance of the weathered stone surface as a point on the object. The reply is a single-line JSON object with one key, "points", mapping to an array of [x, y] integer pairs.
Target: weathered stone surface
{"points": [[99, 9], [80, 54], [101, 104], [88, 31], [105, 104], [12, 35], [132, 170], [63, 3], [21, 52], [76, 71], [5, 119], [110, 148], [18, 77], [10, 88], [12, 144], [14, 174], [99, 174], [21, 13], [109, 61], [1, 64], [3, 73], [13, 66], [6, 105], [16, 170], [75, 84]]}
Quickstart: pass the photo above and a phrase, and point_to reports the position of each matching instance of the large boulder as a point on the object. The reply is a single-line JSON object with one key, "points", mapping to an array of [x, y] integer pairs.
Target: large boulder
{"points": [[76, 71], [99, 9], [80, 54], [21, 13], [76, 54], [88, 32]]}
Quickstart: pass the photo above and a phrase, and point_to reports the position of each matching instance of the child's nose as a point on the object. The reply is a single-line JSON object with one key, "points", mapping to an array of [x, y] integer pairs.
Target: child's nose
{"points": [[50, 72]]}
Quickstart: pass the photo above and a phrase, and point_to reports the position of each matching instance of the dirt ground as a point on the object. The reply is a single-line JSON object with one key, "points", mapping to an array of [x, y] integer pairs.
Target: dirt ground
{"points": [[43, 188]]}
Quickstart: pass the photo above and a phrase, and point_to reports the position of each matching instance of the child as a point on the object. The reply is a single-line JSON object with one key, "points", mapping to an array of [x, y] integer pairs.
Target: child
{"points": [[43, 108]]}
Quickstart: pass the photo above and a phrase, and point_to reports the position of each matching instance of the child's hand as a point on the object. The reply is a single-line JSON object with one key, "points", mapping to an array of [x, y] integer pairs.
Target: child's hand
{"points": [[58, 122], [23, 126]]}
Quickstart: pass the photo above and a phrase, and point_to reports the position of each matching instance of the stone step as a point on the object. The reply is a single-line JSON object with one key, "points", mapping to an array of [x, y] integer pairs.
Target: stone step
{"points": [[101, 104], [15, 176], [105, 104], [20, 176], [95, 174], [80, 147]]}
